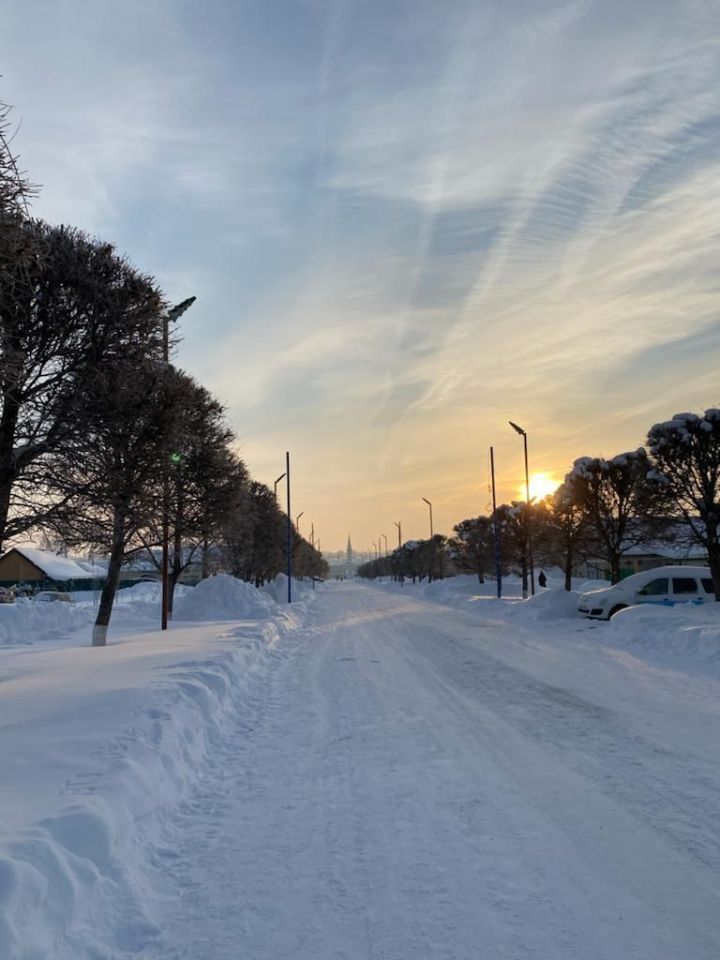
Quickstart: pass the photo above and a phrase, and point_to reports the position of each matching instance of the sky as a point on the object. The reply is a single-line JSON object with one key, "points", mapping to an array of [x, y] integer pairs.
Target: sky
{"points": [[406, 222]]}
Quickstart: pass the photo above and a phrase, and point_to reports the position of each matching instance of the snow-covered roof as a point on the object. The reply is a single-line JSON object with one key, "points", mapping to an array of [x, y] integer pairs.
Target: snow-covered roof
{"points": [[671, 551], [57, 567]]}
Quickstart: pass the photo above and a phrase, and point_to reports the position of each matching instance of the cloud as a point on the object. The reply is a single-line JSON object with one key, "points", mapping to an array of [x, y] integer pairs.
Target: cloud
{"points": [[404, 224]]}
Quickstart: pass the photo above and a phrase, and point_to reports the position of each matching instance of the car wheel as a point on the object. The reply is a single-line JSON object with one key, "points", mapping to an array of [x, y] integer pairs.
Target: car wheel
{"points": [[620, 606]]}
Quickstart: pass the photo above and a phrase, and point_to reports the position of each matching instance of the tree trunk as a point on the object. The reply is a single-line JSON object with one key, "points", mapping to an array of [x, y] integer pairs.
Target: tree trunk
{"points": [[8, 429], [107, 597], [614, 568]]}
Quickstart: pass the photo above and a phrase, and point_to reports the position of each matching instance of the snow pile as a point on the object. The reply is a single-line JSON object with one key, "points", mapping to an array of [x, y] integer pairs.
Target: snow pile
{"points": [[551, 604], [223, 597], [277, 589], [687, 631], [28, 620]]}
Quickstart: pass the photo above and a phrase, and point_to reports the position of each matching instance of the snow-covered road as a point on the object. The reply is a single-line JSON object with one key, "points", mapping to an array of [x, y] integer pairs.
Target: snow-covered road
{"points": [[414, 783]]}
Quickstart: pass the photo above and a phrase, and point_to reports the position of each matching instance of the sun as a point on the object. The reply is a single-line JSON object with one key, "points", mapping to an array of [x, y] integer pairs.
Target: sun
{"points": [[541, 486]]}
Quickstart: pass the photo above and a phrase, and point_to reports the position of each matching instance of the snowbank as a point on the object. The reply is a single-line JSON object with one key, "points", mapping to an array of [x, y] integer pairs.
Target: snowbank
{"points": [[550, 604], [98, 746], [27, 620], [277, 589], [686, 631], [223, 597]]}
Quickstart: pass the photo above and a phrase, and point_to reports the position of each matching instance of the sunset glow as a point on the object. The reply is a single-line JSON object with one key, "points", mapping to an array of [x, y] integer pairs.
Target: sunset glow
{"points": [[541, 486], [365, 234]]}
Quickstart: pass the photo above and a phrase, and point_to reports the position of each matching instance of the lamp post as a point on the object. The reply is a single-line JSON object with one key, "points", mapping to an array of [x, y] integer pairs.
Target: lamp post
{"points": [[297, 521], [289, 527], [496, 529], [312, 544], [528, 538], [281, 477], [384, 536], [170, 316], [375, 550], [401, 574], [431, 519]]}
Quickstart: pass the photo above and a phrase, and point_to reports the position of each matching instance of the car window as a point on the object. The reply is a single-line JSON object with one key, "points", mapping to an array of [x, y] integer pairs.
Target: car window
{"points": [[685, 585], [707, 584], [655, 588]]}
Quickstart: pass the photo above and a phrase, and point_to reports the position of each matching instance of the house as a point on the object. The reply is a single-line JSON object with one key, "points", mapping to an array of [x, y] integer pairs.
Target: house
{"points": [[44, 570], [679, 551]]}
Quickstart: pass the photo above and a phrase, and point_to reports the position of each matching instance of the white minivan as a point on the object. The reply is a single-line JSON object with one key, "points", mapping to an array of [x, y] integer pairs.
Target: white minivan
{"points": [[663, 586]]}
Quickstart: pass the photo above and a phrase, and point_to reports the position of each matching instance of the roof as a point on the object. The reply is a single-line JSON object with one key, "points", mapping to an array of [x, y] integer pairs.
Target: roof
{"points": [[670, 551], [56, 567]]}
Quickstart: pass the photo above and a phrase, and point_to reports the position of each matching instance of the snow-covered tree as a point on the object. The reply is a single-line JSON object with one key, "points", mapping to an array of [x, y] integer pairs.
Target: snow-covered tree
{"points": [[685, 455], [622, 501]]}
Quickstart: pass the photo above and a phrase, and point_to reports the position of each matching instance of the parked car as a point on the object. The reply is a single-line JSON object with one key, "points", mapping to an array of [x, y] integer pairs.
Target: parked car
{"points": [[663, 586], [7, 595], [53, 596]]}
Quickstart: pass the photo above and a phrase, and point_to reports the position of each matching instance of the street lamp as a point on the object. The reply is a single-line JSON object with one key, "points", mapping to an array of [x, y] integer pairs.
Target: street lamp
{"points": [[431, 520], [399, 526], [385, 538], [171, 315], [282, 475], [375, 549], [401, 575], [297, 521], [523, 434]]}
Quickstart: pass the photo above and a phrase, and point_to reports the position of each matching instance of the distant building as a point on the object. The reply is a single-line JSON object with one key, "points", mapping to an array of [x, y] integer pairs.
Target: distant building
{"points": [[343, 565], [680, 551], [46, 571]]}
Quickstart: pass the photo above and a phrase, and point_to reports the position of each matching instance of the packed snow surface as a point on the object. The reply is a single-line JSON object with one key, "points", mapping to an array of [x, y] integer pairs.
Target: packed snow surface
{"points": [[374, 775]]}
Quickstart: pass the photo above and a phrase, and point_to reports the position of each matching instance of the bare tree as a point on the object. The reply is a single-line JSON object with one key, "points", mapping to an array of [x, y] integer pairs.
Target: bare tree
{"points": [[565, 535], [473, 546], [112, 471], [72, 306], [206, 479]]}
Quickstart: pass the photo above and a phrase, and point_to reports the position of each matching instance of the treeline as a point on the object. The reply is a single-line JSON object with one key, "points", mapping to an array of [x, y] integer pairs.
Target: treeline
{"points": [[98, 431], [666, 491]]}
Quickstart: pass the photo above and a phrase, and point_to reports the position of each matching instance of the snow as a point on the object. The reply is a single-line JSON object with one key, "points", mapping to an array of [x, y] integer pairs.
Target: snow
{"points": [[375, 771], [223, 597]]}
